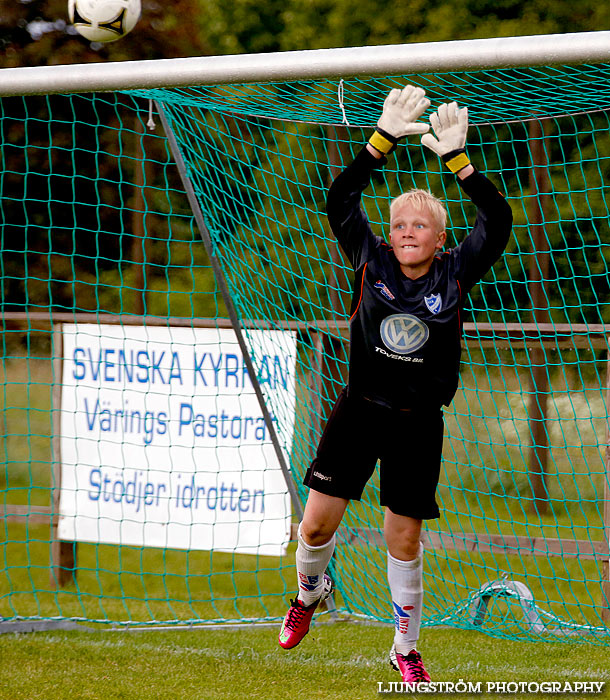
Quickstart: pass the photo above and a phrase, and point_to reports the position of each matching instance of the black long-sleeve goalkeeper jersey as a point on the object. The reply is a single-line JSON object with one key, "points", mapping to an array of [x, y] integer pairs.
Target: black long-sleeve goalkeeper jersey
{"points": [[405, 335]]}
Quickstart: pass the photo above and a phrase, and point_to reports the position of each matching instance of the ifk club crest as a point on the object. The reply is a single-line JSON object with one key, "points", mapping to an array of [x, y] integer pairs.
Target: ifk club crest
{"points": [[434, 303]]}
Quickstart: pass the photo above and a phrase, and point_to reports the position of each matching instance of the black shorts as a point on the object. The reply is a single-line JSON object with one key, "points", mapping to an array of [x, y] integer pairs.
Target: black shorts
{"points": [[408, 444]]}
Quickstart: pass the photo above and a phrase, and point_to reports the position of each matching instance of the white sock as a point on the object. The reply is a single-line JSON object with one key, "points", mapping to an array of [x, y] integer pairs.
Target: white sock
{"points": [[311, 565], [407, 589]]}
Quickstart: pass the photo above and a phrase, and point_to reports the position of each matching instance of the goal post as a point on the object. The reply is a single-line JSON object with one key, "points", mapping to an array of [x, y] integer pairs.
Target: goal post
{"points": [[109, 251]]}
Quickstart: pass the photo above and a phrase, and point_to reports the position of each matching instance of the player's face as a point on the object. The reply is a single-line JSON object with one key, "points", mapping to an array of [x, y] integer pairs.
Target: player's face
{"points": [[415, 239]]}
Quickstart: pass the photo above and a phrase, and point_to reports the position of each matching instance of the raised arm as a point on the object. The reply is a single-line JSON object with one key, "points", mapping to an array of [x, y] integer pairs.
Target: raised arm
{"points": [[491, 231], [347, 220]]}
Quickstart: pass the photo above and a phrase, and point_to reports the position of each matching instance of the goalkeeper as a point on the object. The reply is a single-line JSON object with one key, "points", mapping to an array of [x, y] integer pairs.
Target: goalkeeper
{"points": [[405, 333]]}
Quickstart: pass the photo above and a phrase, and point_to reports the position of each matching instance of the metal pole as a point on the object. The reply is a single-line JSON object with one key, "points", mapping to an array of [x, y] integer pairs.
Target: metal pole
{"points": [[63, 553], [606, 565], [224, 290], [336, 138], [140, 244], [538, 273], [396, 59]]}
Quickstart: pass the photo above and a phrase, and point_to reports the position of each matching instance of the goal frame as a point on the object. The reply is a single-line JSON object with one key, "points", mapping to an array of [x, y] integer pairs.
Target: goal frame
{"points": [[422, 58], [393, 59]]}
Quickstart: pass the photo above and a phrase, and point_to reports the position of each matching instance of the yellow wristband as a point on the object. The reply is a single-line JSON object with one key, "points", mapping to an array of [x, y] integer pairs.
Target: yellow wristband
{"points": [[380, 143], [460, 161]]}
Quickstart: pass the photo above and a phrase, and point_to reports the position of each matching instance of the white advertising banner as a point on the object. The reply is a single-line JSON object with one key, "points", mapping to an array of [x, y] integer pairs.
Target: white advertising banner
{"points": [[163, 442]]}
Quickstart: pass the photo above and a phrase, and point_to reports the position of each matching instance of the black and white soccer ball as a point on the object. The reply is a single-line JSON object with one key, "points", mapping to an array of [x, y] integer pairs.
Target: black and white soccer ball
{"points": [[104, 20]]}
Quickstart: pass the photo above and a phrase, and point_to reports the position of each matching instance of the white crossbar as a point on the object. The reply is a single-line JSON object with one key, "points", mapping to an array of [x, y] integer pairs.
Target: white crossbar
{"points": [[505, 52]]}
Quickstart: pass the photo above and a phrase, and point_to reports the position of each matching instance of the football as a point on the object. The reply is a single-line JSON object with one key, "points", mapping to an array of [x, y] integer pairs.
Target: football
{"points": [[104, 20]]}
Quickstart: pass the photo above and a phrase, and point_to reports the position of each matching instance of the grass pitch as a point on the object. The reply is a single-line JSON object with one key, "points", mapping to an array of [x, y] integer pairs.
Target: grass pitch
{"points": [[339, 660]]}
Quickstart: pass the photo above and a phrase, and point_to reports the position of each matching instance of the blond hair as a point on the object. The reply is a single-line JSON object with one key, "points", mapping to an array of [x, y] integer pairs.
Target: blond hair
{"points": [[423, 200]]}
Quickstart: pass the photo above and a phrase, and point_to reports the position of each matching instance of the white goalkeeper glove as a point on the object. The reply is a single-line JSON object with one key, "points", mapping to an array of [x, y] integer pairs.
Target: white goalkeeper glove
{"points": [[450, 124], [400, 110]]}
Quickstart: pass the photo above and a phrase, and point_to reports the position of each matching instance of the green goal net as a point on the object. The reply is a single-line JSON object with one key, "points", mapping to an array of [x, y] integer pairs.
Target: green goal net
{"points": [[174, 510]]}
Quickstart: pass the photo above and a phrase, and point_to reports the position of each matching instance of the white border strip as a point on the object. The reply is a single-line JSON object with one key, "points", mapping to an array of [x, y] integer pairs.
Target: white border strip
{"points": [[505, 52]]}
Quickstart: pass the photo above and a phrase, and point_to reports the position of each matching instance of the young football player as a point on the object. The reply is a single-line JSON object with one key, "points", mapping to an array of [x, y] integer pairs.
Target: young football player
{"points": [[405, 345]]}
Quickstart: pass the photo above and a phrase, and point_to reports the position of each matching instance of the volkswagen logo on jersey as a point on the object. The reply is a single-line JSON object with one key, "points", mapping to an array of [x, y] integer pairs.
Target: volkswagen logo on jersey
{"points": [[434, 303], [401, 617], [384, 290], [403, 333]]}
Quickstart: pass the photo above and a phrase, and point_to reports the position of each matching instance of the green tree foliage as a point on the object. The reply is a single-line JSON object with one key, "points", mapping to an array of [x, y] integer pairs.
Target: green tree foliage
{"points": [[76, 195], [247, 26], [93, 211]]}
